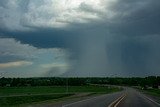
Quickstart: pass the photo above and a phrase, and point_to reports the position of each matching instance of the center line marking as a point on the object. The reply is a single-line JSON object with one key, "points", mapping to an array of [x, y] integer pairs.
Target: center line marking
{"points": [[117, 101]]}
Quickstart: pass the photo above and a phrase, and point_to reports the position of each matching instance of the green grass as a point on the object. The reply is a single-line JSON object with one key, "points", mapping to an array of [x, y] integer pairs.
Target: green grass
{"points": [[30, 90], [154, 92], [23, 95], [95, 89], [5, 91], [11, 101]]}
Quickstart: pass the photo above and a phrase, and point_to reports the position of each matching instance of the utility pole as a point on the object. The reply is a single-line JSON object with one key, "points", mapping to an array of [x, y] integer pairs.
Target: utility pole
{"points": [[66, 84]]}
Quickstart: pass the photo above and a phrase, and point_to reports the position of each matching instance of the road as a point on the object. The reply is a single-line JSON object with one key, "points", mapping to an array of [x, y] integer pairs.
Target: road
{"points": [[136, 99], [127, 98]]}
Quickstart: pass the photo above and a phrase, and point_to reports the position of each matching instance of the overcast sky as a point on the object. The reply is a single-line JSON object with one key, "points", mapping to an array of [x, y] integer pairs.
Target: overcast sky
{"points": [[79, 38]]}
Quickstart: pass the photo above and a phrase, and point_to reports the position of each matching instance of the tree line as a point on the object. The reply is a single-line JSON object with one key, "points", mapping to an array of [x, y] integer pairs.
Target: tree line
{"points": [[152, 81]]}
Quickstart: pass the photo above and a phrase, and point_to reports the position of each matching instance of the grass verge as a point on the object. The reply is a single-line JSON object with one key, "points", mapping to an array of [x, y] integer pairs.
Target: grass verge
{"points": [[17, 100], [13, 96], [154, 92]]}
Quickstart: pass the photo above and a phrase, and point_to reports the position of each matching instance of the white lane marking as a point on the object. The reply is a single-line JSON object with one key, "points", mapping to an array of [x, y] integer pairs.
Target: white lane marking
{"points": [[118, 100], [151, 100], [81, 101]]}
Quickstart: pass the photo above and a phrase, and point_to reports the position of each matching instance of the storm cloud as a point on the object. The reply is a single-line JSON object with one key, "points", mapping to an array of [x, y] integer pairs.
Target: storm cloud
{"points": [[99, 38]]}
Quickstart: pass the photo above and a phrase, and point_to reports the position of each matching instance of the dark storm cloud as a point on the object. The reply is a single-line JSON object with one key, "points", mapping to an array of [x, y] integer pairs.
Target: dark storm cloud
{"points": [[124, 45], [138, 17], [139, 22], [44, 38]]}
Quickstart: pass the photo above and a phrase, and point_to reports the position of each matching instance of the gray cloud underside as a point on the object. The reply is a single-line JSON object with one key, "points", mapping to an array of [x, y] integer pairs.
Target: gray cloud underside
{"points": [[126, 44]]}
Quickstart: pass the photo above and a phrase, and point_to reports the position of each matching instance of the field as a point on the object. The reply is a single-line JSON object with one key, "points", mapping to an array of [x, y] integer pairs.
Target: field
{"points": [[12, 96], [154, 92]]}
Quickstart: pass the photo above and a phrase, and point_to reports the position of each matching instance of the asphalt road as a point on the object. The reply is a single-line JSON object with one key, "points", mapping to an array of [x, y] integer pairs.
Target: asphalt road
{"points": [[128, 98], [136, 99], [96, 101], [99, 101]]}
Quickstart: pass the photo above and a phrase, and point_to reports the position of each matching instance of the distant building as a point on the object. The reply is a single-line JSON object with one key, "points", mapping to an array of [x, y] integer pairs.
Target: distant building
{"points": [[149, 87], [8, 85]]}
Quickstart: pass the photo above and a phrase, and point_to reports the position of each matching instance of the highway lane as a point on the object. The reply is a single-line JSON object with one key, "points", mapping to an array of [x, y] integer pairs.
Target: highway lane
{"points": [[99, 101], [94, 101], [136, 99], [127, 98]]}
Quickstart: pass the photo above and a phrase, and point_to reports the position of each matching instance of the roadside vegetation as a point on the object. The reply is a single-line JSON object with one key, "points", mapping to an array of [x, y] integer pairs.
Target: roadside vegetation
{"points": [[14, 96], [17, 91], [151, 81], [8, 101], [153, 92]]}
